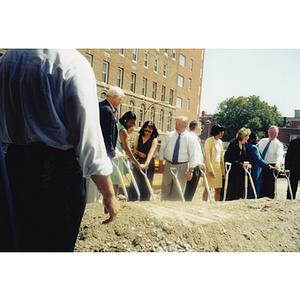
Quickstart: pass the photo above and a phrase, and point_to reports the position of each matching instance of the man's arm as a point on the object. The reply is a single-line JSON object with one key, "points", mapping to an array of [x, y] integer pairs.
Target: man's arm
{"points": [[111, 205]]}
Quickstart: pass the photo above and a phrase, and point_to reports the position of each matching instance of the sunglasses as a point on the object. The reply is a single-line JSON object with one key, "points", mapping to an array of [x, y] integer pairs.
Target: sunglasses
{"points": [[148, 131]]}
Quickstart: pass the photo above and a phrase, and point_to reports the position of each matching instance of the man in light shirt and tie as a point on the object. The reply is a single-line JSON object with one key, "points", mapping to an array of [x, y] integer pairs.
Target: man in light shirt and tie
{"points": [[185, 163], [272, 152]]}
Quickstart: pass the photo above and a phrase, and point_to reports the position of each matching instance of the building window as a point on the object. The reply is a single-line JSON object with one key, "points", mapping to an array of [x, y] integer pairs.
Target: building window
{"points": [[169, 121], [155, 65], [190, 84], [191, 65], [132, 82], [122, 52], [142, 113], [144, 87], [146, 58], [188, 104], [171, 97], [130, 106], [180, 80], [154, 87], [182, 60], [174, 53], [120, 78], [105, 72], [152, 114], [165, 70], [161, 120], [179, 102], [163, 93], [166, 52], [89, 58], [134, 55]]}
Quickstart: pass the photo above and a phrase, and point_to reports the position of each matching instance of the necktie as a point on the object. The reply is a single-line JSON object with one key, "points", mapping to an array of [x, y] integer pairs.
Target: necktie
{"points": [[266, 149], [176, 150]]}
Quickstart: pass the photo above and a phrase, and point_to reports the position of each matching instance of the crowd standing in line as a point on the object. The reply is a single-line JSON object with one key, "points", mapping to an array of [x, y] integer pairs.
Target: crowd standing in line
{"points": [[214, 160], [50, 119]]}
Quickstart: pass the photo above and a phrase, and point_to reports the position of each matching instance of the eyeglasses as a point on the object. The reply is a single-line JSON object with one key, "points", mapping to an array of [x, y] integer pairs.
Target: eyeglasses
{"points": [[148, 131]]}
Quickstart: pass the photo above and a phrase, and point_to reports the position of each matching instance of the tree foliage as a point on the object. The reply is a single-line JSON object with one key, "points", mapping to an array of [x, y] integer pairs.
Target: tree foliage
{"points": [[250, 112]]}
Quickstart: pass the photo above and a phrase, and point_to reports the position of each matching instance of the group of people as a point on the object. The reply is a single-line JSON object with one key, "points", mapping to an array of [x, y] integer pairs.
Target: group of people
{"points": [[261, 159], [49, 125]]}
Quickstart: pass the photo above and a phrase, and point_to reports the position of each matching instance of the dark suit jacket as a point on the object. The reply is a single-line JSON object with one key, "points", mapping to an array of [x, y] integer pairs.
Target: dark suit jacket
{"points": [[108, 126]]}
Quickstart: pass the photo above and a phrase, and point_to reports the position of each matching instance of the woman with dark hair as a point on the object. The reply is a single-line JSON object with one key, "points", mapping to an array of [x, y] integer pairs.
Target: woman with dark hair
{"points": [[213, 152], [257, 164], [125, 128], [144, 147], [236, 154]]}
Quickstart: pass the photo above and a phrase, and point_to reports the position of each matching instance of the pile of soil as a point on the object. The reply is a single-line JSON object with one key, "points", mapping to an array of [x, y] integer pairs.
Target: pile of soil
{"points": [[262, 225]]}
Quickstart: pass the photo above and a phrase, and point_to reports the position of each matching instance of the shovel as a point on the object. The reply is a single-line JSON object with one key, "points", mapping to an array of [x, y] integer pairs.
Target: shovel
{"points": [[121, 179], [174, 172], [126, 162], [206, 185], [246, 168], [275, 174], [287, 174], [227, 169], [148, 184]]}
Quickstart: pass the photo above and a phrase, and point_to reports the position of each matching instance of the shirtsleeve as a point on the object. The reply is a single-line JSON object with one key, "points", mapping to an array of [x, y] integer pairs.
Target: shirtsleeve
{"points": [[81, 106]]}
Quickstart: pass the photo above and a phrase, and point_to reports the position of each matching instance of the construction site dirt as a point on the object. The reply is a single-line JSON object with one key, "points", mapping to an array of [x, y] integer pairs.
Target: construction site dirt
{"points": [[262, 225]]}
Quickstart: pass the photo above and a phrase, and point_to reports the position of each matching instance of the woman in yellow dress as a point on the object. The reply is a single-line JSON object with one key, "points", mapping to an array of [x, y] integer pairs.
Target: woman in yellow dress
{"points": [[214, 161]]}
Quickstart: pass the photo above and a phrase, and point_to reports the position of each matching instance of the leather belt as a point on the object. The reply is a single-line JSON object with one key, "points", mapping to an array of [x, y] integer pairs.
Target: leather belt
{"points": [[179, 163]]}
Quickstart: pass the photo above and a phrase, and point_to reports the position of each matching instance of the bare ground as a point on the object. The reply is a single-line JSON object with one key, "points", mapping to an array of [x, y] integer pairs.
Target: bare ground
{"points": [[263, 225]]}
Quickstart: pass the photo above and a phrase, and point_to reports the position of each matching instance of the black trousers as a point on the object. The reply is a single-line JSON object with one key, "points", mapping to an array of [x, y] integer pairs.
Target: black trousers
{"points": [[48, 193], [268, 183], [191, 185]]}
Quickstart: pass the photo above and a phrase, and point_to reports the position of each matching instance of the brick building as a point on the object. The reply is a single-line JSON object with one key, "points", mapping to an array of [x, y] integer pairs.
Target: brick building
{"points": [[159, 84], [290, 130]]}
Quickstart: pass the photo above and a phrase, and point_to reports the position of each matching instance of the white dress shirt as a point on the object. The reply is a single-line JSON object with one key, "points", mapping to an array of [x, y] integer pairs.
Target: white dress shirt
{"points": [[187, 152], [198, 149], [50, 96], [274, 154]]}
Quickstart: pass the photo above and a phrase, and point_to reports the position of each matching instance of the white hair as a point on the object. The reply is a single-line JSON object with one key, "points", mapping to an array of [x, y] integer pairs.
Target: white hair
{"points": [[184, 119], [114, 90]]}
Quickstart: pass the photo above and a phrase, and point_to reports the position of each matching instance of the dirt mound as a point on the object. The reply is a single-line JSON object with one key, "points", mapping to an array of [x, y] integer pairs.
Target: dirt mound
{"points": [[263, 225]]}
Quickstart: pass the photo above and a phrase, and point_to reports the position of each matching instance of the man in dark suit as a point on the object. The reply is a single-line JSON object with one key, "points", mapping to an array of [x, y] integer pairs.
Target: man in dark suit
{"points": [[292, 163], [108, 121]]}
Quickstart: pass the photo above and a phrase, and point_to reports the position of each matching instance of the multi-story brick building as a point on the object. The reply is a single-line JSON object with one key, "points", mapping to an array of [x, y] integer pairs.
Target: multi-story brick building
{"points": [[290, 130], [159, 84]]}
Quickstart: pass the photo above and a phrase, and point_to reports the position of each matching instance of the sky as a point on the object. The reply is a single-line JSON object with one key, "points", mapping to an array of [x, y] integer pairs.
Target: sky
{"points": [[271, 74]]}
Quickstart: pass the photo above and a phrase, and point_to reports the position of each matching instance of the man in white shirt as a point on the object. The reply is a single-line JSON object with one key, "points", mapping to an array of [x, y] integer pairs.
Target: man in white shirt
{"points": [[272, 153], [187, 159], [50, 119], [191, 186]]}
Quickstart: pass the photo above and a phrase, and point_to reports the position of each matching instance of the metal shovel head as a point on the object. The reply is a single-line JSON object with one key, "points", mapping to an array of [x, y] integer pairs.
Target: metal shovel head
{"points": [[148, 185], [126, 162], [174, 172]]}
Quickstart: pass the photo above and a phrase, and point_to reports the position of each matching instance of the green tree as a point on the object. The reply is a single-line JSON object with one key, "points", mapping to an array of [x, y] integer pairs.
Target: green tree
{"points": [[250, 112]]}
